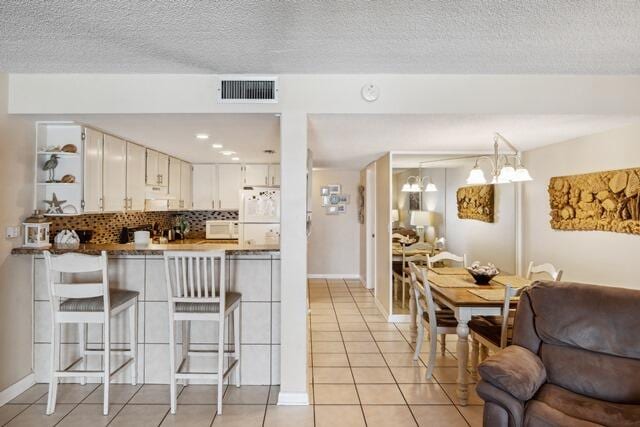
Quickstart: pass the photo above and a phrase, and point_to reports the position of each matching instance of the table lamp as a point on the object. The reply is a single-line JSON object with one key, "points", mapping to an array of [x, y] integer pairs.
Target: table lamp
{"points": [[420, 220]]}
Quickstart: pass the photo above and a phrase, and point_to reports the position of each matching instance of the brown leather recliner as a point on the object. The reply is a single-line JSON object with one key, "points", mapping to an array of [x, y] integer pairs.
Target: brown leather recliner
{"points": [[575, 360]]}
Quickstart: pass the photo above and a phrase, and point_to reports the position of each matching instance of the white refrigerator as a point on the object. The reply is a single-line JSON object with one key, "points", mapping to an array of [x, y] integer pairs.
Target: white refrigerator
{"points": [[260, 216]]}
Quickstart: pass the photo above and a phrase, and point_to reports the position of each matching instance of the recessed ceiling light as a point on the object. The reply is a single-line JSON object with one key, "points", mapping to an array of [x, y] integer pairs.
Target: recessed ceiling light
{"points": [[216, 145], [227, 153], [202, 136], [235, 159]]}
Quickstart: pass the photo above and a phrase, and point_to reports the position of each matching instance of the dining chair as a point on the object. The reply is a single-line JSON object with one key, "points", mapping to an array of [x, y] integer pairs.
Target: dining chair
{"points": [[488, 334], [84, 302], [439, 322], [546, 268], [402, 279], [448, 256], [196, 292], [440, 257]]}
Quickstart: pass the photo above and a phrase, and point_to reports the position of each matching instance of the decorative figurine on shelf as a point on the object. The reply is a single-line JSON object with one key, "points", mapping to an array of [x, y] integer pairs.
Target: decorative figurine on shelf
{"points": [[36, 231], [51, 165], [55, 205], [182, 226]]}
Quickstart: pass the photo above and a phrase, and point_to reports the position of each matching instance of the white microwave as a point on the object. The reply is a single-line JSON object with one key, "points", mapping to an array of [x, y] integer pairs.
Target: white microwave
{"points": [[222, 229]]}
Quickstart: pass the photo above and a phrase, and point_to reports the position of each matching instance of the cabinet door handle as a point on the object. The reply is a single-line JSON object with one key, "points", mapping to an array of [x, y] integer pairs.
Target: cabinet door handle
{"points": [[266, 180], [125, 203], [101, 204], [273, 180]]}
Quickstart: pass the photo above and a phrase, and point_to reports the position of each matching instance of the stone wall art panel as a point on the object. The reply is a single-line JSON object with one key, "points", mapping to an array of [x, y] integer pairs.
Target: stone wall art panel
{"points": [[476, 202], [604, 201]]}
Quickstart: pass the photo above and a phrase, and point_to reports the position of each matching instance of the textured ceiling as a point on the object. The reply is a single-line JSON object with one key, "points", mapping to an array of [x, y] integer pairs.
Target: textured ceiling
{"points": [[352, 141], [90, 36]]}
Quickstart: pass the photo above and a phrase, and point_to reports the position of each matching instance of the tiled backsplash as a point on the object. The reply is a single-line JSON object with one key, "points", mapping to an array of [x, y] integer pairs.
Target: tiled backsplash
{"points": [[106, 227]]}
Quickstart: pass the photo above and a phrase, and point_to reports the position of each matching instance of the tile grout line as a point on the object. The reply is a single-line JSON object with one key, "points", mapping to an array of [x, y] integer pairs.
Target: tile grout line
{"points": [[389, 368], [355, 386]]}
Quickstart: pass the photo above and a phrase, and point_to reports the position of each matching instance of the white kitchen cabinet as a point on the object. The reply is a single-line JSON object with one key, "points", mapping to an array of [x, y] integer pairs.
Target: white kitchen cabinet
{"points": [[186, 176], [229, 185], [157, 169], [163, 169], [256, 175], [114, 174], [175, 170], [274, 175], [205, 187], [135, 177], [92, 198], [152, 167]]}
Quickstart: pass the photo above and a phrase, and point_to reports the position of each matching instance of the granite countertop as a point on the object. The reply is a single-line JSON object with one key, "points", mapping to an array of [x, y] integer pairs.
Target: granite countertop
{"points": [[156, 249]]}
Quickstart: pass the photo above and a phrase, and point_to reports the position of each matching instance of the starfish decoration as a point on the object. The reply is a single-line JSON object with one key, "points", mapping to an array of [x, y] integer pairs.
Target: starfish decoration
{"points": [[55, 205]]}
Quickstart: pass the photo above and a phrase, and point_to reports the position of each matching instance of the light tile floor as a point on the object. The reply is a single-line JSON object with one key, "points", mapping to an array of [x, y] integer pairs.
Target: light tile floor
{"points": [[361, 373]]}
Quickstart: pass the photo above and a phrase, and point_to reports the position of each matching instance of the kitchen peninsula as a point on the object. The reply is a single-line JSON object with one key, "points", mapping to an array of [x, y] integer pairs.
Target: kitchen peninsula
{"points": [[253, 270]]}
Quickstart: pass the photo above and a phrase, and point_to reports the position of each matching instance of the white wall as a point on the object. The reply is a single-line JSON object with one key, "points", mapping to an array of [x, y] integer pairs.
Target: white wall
{"points": [[334, 244], [412, 94], [585, 256], [17, 150], [482, 241]]}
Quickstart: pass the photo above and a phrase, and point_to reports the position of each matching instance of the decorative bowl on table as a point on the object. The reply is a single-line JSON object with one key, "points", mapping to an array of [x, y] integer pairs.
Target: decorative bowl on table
{"points": [[482, 274]]}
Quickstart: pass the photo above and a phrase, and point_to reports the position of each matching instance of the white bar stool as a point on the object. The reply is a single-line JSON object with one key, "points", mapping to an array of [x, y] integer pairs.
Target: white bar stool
{"points": [[196, 291], [84, 303]]}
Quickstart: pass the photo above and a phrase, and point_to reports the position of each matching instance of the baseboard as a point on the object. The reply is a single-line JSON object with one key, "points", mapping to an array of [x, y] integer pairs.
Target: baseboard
{"points": [[293, 399], [382, 310], [15, 390], [334, 276], [399, 318]]}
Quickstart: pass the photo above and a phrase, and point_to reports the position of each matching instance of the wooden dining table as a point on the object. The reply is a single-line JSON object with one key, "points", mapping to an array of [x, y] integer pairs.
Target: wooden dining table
{"points": [[451, 288]]}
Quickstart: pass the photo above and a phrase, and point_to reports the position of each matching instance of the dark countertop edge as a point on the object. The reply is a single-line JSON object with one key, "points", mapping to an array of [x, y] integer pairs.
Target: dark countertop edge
{"points": [[138, 251]]}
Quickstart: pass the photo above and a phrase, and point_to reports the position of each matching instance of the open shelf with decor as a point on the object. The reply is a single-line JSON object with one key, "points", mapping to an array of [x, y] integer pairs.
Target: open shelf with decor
{"points": [[59, 168]]}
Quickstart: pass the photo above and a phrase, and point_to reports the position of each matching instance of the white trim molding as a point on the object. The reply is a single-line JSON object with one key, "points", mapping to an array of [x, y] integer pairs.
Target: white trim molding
{"points": [[15, 390], [335, 276], [293, 399]]}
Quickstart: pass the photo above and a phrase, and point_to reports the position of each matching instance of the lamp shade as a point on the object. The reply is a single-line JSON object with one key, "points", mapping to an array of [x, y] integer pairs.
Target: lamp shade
{"points": [[395, 215], [421, 218], [521, 174], [430, 188], [476, 176], [506, 174]]}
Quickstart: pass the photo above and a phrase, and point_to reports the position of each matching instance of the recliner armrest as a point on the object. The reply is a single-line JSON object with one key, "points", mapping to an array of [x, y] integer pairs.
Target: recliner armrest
{"points": [[514, 370]]}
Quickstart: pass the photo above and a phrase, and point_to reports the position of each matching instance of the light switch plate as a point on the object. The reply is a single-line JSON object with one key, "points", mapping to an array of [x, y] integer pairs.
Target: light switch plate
{"points": [[12, 232]]}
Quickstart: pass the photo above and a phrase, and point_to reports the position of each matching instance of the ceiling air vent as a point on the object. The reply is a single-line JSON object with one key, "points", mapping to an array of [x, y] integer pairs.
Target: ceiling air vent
{"points": [[247, 90]]}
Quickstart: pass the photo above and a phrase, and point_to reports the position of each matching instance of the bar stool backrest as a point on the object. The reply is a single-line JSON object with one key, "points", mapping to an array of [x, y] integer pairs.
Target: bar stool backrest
{"points": [[195, 277], [60, 266]]}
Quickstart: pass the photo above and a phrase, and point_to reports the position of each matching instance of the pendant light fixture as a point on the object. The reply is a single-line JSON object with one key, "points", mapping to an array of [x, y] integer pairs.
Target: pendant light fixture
{"points": [[502, 169], [416, 184]]}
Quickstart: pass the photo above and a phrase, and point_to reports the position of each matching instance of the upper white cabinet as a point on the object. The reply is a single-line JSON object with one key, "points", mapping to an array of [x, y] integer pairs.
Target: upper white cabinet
{"points": [[261, 175], [274, 175], [157, 169], [114, 174], [186, 177], [256, 175], [92, 199], [175, 169], [229, 185], [205, 187], [135, 176]]}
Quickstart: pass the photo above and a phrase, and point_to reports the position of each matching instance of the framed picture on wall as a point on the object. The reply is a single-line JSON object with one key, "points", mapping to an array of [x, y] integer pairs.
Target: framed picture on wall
{"points": [[334, 188], [325, 201], [324, 191], [414, 201], [332, 210], [342, 208]]}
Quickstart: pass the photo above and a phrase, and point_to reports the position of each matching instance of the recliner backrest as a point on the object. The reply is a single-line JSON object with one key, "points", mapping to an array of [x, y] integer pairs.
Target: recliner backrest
{"points": [[587, 336]]}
